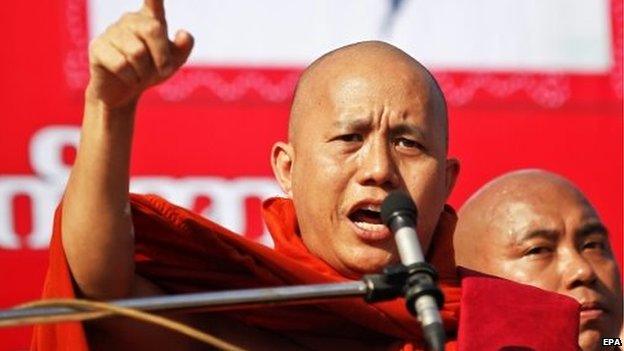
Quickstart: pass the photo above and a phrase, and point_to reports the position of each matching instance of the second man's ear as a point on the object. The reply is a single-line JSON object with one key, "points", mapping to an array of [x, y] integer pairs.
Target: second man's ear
{"points": [[452, 172], [282, 157]]}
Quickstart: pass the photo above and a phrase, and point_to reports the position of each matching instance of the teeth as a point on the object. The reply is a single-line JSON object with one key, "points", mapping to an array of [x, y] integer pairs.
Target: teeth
{"points": [[370, 226], [375, 208]]}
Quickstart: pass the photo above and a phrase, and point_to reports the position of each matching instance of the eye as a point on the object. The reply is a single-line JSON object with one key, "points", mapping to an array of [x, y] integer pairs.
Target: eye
{"points": [[407, 143], [595, 245], [350, 138], [538, 251]]}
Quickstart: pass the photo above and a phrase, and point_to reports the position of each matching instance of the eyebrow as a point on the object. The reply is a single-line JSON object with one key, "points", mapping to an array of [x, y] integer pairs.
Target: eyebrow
{"points": [[365, 123], [405, 128], [356, 123], [591, 228], [549, 234]]}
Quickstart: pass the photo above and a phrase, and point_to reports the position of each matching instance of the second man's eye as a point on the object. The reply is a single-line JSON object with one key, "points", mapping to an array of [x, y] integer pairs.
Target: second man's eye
{"points": [[350, 137], [408, 143], [538, 250], [595, 245]]}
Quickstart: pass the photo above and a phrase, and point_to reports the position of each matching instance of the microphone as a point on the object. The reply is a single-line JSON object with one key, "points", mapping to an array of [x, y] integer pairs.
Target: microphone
{"points": [[399, 213]]}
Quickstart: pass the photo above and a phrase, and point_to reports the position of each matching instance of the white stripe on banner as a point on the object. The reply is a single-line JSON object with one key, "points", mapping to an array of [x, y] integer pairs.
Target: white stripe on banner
{"points": [[511, 35]]}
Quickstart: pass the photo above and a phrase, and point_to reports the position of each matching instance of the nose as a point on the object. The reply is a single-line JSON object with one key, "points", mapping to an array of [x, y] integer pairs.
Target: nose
{"points": [[578, 271], [377, 166]]}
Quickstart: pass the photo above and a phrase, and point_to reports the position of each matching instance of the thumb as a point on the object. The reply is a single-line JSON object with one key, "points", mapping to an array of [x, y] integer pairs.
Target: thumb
{"points": [[181, 47]]}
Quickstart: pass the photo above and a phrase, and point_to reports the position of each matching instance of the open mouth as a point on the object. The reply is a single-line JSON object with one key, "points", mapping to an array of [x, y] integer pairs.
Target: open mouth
{"points": [[367, 219]]}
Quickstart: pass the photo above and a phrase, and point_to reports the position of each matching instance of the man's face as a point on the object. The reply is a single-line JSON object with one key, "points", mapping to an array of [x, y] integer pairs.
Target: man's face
{"points": [[365, 134], [556, 241]]}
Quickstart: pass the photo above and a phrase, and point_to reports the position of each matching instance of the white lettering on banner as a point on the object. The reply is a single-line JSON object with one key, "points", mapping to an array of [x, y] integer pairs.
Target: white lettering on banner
{"points": [[44, 196], [46, 150], [45, 188]]}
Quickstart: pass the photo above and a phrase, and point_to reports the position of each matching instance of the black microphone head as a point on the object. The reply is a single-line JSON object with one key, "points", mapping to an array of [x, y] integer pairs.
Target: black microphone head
{"points": [[398, 203]]}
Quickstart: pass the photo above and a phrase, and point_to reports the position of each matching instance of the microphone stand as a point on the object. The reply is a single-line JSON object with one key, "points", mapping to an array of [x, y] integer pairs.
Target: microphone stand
{"points": [[205, 301], [395, 281]]}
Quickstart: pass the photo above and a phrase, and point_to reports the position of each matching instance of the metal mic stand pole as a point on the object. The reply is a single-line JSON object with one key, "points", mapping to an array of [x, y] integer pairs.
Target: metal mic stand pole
{"points": [[422, 295], [205, 301], [373, 288]]}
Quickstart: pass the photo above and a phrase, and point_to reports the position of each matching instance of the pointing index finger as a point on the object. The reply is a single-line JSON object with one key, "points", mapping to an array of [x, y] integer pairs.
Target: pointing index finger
{"points": [[155, 7]]}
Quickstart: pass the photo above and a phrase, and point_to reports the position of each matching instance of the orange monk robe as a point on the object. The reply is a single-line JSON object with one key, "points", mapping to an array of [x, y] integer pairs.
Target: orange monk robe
{"points": [[183, 252]]}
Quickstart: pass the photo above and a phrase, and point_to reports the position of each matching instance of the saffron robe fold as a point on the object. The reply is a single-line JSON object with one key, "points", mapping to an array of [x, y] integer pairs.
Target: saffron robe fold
{"points": [[183, 252]]}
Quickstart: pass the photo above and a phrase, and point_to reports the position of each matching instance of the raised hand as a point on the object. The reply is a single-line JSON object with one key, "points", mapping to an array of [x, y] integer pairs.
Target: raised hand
{"points": [[133, 54]]}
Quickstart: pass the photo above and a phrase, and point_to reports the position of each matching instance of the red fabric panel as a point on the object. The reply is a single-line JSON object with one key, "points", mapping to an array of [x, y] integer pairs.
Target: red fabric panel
{"points": [[498, 314]]}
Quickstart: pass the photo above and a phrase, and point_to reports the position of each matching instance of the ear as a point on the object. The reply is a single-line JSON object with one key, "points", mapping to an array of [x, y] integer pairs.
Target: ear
{"points": [[282, 158], [452, 172]]}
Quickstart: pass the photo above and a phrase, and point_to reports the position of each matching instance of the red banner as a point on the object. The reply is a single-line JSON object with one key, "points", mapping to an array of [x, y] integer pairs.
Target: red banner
{"points": [[203, 138]]}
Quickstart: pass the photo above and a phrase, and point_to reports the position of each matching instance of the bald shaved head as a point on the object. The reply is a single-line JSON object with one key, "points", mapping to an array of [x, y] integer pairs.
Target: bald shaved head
{"points": [[359, 58], [537, 228], [366, 119], [486, 214]]}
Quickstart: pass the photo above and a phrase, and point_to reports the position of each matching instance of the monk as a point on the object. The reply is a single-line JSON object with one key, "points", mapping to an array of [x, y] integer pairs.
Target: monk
{"points": [[537, 228], [366, 119]]}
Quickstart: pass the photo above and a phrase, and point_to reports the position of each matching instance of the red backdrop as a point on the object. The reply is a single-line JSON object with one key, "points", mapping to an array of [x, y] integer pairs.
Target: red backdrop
{"points": [[496, 126]]}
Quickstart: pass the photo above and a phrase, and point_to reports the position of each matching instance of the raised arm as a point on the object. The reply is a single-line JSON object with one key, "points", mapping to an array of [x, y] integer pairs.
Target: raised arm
{"points": [[133, 54]]}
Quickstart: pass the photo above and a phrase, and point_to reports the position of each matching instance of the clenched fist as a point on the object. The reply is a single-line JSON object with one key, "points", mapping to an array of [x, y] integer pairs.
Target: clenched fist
{"points": [[133, 54]]}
